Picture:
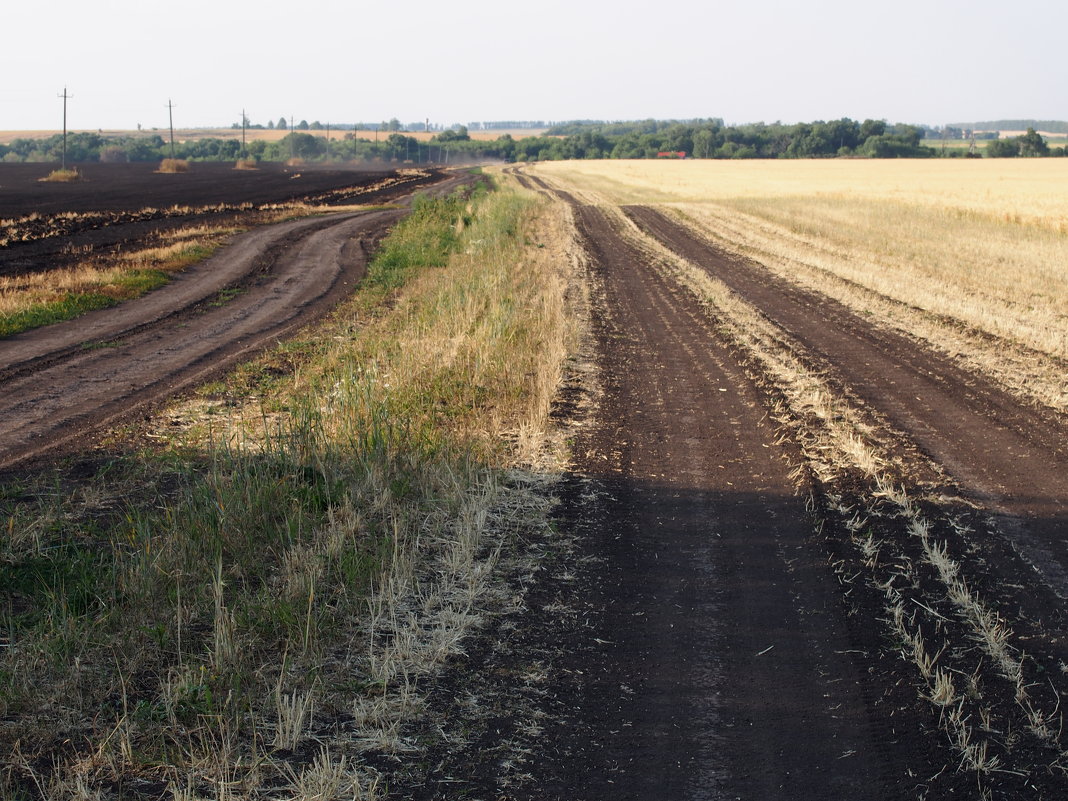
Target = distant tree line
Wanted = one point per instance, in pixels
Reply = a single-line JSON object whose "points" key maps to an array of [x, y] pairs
{"points": [[450, 145], [704, 139], [711, 138], [1050, 126], [1030, 144]]}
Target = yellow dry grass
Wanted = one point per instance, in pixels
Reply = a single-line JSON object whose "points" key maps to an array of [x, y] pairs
{"points": [[62, 177], [938, 248], [106, 276], [173, 166]]}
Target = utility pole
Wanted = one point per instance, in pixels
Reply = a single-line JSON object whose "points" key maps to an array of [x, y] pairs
{"points": [[328, 141], [244, 120], [170, 113], [65, 97]]}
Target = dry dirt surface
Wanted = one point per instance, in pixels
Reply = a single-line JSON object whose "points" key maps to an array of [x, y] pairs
{"points": [[61, 383], [732, 623]]}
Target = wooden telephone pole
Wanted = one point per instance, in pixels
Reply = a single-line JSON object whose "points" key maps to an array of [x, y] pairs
{"points": [[65, 97], [170, 113]]}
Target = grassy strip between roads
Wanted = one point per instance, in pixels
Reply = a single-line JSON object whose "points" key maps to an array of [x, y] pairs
{"points": [[246, 611]]}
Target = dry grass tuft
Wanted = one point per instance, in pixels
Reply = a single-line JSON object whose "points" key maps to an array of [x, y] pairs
{"points": [[173, 166], [68, 176], [246, 164]]}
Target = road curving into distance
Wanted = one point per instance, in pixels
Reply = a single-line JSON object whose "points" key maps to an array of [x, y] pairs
{"points": [[61, 383]]}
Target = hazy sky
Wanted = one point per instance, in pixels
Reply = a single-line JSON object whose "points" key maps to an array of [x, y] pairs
{"points": [[921, 61]]}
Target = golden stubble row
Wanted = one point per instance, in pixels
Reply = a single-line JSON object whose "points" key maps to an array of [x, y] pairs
{"points": [[952, 250]]}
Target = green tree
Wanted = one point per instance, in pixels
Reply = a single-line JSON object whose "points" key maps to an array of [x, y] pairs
{"points": [[302, 145], [704, 143], [506, 147], [148, 149], [871, 128], [1032, 144], [458, 134], [1003, 148], [282, 125]]}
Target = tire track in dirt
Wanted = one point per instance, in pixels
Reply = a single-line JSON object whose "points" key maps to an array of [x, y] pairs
{"points": [[1011, 458], [713, 661], [61, 383], [248, 256], [69, 379]]}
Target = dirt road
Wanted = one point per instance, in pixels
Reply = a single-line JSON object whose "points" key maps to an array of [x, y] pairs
{"points": [[61, 383], [736, 620]]}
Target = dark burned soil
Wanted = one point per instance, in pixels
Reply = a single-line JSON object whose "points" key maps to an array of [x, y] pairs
{"points": [[48, 225], [63, 382], [731, 622], [130, 187]]}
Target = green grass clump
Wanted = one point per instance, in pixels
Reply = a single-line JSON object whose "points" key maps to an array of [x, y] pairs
{"points": [[65, 308], [100, 294], [74, 304]]}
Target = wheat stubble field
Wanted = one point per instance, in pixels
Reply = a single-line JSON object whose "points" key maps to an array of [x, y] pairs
{"points": [[824, 479]]}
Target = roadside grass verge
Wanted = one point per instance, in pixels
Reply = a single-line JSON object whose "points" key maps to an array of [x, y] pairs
{"points": [[246, 609]]}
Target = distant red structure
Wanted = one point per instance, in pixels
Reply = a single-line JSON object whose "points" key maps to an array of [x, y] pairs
{"points": [[671, 154]]}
